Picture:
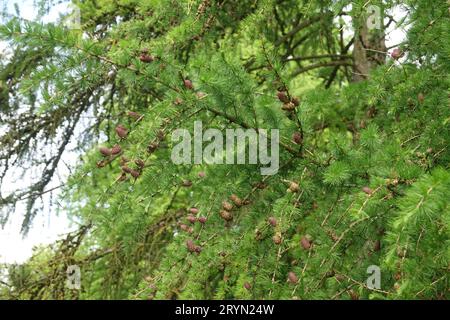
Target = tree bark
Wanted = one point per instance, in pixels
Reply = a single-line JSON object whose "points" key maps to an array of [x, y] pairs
{"points": [[369, 49]]}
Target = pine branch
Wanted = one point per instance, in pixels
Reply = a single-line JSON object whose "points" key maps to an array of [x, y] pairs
{"points": [[297, 28], [323, 56], [320, 65]]}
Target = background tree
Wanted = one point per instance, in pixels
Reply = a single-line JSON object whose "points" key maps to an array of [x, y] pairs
{"points": [[364, 154]]}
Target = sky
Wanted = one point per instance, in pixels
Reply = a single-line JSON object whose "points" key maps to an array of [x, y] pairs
{"points": [[48, 226]]}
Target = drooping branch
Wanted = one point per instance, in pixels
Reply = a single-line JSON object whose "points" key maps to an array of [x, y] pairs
{"points": [[39, 126]]}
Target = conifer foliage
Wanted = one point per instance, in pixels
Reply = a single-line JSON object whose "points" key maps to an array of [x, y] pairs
{"points": [[363, 175]]}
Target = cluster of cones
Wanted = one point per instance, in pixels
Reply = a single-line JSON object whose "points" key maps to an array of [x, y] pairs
{"points": [[110, 154]]}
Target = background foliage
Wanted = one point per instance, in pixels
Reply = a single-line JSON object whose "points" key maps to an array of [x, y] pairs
{"points": [[367, 184]]}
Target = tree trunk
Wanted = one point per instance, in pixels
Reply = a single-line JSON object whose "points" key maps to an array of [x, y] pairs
{"points": [[369, 49]]}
